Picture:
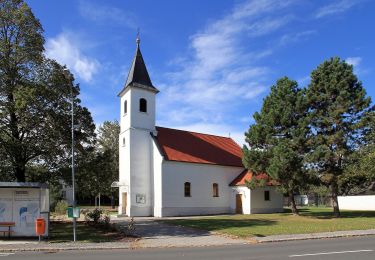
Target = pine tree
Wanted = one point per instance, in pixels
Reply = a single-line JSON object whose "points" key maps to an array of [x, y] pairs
{"points": [[277, 140], [337, 103]]}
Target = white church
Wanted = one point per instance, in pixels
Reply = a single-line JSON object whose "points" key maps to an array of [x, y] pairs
{"points": [[171, 172]]}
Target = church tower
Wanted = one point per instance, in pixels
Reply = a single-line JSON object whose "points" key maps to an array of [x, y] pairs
{"points": [[137, 122]]}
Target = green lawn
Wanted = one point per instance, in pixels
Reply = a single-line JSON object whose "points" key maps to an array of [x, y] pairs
{"points": [[63, 232], [311, 220], [108, 209]]}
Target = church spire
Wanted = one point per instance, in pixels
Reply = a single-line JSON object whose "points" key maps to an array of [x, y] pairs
{"points": [[138, 75]]}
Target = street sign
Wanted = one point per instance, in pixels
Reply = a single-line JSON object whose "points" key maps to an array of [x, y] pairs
{"points": [[74, 212]]}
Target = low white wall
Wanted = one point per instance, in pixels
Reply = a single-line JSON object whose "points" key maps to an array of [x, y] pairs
{"points": [[357, 202]]}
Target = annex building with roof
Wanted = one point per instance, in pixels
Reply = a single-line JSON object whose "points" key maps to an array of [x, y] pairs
{"points": [[171, 172]]}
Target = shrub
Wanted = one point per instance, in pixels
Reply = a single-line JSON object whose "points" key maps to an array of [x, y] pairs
{"points": [[61, 207], [94, 215], [130, 228], [106, 220]]}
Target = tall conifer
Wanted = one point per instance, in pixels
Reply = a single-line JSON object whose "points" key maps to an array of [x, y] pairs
{"points": [[337, 104]]}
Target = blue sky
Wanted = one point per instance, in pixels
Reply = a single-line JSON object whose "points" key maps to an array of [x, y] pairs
{"points": [[213, 61]]}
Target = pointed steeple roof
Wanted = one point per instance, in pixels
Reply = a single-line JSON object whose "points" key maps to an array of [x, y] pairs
{"points": [[138, 75]]}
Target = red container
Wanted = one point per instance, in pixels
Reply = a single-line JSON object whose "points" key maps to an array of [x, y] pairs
{"points": [[40, 226]]}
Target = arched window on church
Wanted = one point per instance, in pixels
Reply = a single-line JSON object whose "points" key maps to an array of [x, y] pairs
{"points": [[125, 107], [215, 190], [143, 105], [187, 189]]}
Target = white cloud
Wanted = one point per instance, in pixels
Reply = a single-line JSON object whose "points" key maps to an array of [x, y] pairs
{"points": [[219, 75], [336, 7], [357, 65], [267, 25], [296, 37], [355, 61], [104, 14], [304, 81], [63, 49]]}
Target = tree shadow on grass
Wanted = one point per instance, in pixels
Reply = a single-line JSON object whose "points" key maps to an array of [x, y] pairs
{"points": [[62, 232], [218, 224], [328, 214]]}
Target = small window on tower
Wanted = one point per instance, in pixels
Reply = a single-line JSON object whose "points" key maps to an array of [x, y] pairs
{"points": [[125, 107], [123, 141], [143, 105], [187, 189]]}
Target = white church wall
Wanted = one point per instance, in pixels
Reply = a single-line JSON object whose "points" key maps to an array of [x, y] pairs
{"points": [[258, 203], [142, 120], [157, 176], [201, 177], [141, 200], [136, 153], [124, 152], [124, 169], [125, 117]]}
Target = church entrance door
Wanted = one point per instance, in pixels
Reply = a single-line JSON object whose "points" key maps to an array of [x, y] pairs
{"points": [[124, 202], [239, 204]]}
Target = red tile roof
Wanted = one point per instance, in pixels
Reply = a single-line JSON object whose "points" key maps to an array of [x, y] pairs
{"points": [[247, 175], [185, 146]]}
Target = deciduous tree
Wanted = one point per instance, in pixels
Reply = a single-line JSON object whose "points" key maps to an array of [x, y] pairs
{"points": [[100, 168], [35, 95]]}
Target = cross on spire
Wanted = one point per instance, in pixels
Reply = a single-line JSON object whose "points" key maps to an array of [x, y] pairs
{"points": [[138, 39]]}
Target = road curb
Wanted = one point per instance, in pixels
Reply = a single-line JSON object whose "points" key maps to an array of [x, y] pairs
{"points": [[138, 244], [13, 250]]}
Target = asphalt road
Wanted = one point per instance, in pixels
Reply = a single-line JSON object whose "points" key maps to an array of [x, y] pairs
{"points": [[359, 248]]}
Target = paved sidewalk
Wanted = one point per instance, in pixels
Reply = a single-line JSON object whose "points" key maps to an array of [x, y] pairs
{"points": [[17, 246], [349, 233]]}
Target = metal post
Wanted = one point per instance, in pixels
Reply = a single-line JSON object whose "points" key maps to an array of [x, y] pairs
{"points": [[73, 177]]}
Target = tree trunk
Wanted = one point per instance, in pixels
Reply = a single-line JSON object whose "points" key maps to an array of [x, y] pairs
{"points": [[19, 163], [112, 201], [293, 203], [20, 173], [335, 203]]}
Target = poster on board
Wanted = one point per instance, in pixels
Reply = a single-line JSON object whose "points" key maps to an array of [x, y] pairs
{"points": [[6, 206], [25, 211]]}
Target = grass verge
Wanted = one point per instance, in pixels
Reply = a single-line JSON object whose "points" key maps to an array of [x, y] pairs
{"points": [[311, 220], [63, 232]]}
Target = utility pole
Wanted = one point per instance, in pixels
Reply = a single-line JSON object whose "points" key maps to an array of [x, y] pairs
{"points": [[67, 76], [73, 175]]}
